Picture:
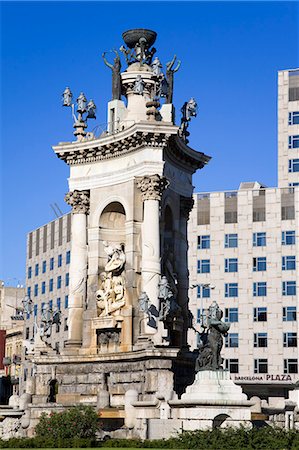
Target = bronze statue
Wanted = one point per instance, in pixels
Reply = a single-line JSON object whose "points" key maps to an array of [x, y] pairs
{"points": [[211, 340], [169, 77], [116, 79]]}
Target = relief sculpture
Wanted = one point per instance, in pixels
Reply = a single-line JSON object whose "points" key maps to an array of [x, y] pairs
{"points": [[111, 293]]}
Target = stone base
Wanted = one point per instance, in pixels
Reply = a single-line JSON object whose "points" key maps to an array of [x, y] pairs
{"points": [[214, 386]]}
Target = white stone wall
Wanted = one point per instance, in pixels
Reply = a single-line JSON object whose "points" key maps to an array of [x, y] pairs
{"points": [[285, 130], [245, 277]]}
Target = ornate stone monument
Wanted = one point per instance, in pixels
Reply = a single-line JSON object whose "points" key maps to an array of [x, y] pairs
{"points": [[130, 190]]}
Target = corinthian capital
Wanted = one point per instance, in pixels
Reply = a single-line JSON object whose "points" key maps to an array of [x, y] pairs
{"points": [[79, 201], [152, 186], [186, 205]]}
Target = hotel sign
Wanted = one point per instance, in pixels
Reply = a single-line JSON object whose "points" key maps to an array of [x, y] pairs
{"points": [[265, 378]]}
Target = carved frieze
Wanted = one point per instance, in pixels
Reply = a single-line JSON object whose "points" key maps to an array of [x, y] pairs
{"points": [[152, 186], [79, 201]]}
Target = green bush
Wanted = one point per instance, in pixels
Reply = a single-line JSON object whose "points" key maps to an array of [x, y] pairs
{"points": [[80, 422]]}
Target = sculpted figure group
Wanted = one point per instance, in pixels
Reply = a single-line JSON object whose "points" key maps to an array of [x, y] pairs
{"points": [[111, 292]]}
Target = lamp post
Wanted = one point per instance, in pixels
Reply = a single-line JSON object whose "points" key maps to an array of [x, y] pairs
{"points": [[82, 107]]}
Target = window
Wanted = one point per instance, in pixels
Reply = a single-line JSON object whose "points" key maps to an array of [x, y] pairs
{"points": [[290, 366], [230, 207], [29, 272], [231, 315], [30, 239], [289, 288], [294, 118], [67, 279], [59, 260], [260, 366], [44, 266], [51, 285], [65, 324], [36, 270], [288, 262], [203, 209], [259, 264], [203, 291], [294, 141], [287, 203], [259, 239], [260, 340], [43, 287], [260, 289], [58, 303], [42, 306], [289, 313], [198, 318], [27, 333], [51, 263], [293, 85], [293, 165], [260, 314], [290, 339], [35, 310], [293, 184], [288, 237], [231, 289], [258, 205], [231, 265], [203, 242], [68, 257], [232, 365], [231, 241], [203, 266], [59, 282], [232, 340], [35, 290], [66, 301], [51, 304], [29, 291]]}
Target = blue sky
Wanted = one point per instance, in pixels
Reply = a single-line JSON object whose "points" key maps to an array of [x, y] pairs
{"points": [[230, 53]]}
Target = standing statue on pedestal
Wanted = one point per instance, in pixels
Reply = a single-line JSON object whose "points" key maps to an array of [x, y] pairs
{"points": [[138, 85], [170, 76], [111, 292], [116, 79], [169, 308], [211, 340]]}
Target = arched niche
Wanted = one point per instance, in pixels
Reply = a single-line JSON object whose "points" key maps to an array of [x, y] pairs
{"points": [[218, 421], [168, 238], [53, 391], [112, 227]]}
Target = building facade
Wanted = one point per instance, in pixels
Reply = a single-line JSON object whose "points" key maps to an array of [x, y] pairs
{"points": [[47, 282], [243, 253]]}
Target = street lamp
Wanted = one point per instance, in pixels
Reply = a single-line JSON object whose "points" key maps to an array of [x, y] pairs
{"points": [[82, 107], [204, 285]]}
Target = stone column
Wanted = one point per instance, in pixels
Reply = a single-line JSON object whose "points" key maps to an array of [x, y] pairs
{"points": [[186, 205], [152, 187], [79, 200]]}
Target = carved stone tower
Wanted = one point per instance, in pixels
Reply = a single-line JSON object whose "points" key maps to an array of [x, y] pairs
{"points": [[131, 193]]}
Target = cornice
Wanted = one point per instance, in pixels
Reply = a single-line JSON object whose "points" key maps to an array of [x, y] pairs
{"points": [[139, 135]]}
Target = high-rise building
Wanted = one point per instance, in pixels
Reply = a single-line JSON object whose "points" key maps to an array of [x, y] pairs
{"points": [[243, 253], [288, 128]]}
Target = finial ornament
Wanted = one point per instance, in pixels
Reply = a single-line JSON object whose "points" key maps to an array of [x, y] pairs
{"points": [[82, 107]]}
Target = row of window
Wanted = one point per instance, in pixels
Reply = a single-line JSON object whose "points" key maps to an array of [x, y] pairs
{"points": [[261, 340], [289, 314], [51, 285], [294, 165], [259, 264], [259, 289], [259, 239], [261, 365], [51, 264]]}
